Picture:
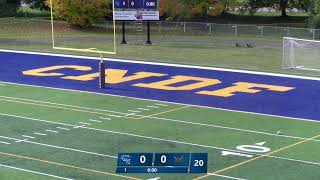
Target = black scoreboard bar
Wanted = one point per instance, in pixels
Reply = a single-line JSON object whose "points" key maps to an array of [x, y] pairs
{"points": [[136, 4], [152, 163]]}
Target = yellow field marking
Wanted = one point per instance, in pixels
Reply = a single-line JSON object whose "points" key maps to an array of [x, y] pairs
{"points": [[259, 157], [164, 112], [71, 109], [68, 166]]}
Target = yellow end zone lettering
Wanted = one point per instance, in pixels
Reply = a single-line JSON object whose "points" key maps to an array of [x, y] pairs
{"points": [[165, 85], [115, 76], [44, 72], [244, 87]]}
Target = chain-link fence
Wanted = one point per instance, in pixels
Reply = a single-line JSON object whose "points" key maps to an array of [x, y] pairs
{"points": [[253, 31]]}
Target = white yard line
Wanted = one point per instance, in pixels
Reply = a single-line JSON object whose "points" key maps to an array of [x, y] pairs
{"points": [[111, 115], [62, 128], [7, 143], [41, 134], [132, 114], [225, 127], [66, 105], [187, 122], [88, 124], [93, 120], [159, 139], [59, 147], [77, 127], [34, 172], [207, 107], [21, 140], [30, 137]]}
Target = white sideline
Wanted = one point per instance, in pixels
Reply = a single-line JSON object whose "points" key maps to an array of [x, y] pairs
{"points": [[59, 147], [34, 172], [163, 64], [159, 139], [207, 107], [165, 119]]}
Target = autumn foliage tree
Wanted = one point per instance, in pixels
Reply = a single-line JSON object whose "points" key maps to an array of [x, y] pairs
{"points": [[82, 13]]}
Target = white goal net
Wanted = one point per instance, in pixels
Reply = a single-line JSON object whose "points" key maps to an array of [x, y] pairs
{"points": [[301, 54]]}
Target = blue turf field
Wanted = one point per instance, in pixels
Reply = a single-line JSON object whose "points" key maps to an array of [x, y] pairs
{"points": [[298, 98]]}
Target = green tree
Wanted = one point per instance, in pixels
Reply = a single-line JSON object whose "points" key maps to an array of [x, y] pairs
{"points": [[82, 13], [252, 6], [9, 7], [41, 4]]}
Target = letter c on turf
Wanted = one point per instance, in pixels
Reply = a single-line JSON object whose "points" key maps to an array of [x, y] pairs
{"points": [[44, 72]]}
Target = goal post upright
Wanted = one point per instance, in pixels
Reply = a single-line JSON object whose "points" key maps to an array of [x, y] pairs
{"points": [[95, 50]]}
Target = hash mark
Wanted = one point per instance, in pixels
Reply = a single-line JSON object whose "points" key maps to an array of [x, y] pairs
{"points": [[21, 140], [85, 123], [105, 118], [155, 107], [41, 134], [143, 109], [31, 137], [62, 128], [161, 104], [52, 131], [132, 114], [93, 120]]}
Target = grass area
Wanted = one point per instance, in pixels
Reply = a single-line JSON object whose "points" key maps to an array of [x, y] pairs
{"points": [[216, 50], [25, 110]]}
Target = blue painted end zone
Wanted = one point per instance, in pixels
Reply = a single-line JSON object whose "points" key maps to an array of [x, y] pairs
{"points": [[301, 102]]}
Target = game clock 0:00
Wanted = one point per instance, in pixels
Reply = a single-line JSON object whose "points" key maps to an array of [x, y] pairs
{"points": [[162, 163]]}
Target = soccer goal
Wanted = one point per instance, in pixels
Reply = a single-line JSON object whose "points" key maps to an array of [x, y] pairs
{"points": [[301, 54]]}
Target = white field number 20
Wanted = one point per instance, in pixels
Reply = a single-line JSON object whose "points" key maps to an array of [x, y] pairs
{"points": [[257, 148]]}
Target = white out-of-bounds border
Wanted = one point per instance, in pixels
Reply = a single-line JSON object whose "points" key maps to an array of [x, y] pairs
{"points": [[166, 64]]}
